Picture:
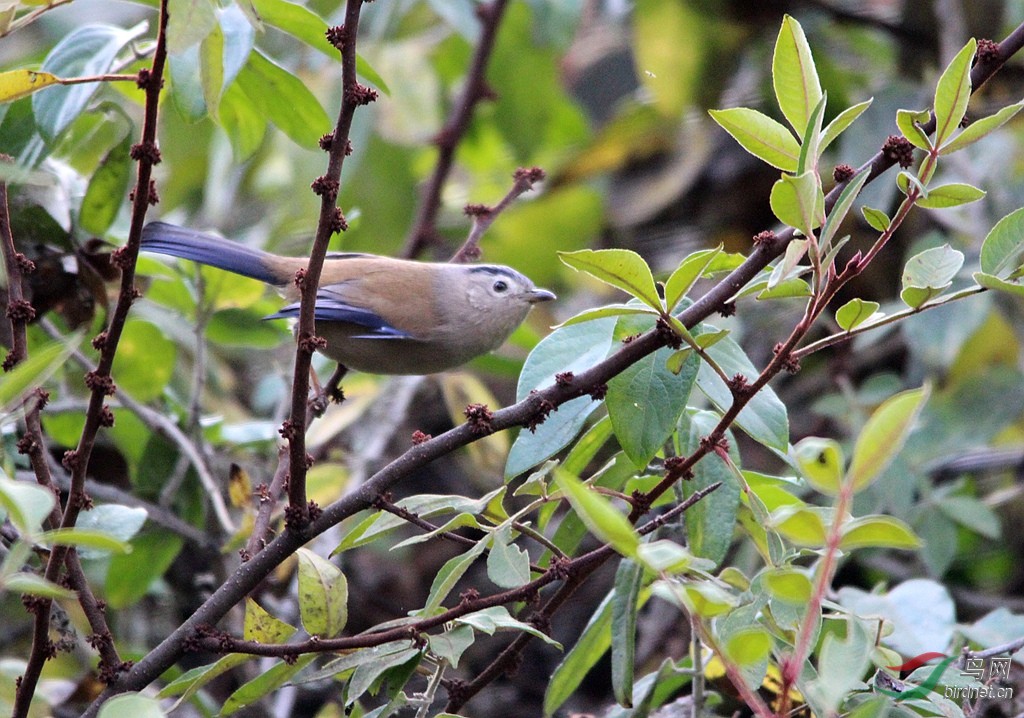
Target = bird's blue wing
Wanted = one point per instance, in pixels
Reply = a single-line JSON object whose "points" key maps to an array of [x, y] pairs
{"points": [[331, 307]]}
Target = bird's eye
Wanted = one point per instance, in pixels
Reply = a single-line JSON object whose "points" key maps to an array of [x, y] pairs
{"points": [[501, 286]]}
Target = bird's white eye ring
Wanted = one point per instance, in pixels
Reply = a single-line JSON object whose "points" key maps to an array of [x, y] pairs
{"points": [[500, 286]]}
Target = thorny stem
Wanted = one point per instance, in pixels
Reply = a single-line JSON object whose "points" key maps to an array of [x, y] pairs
{"points": [[352, 97], [100, 382]]}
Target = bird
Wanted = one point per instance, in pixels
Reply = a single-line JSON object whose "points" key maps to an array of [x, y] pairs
{"points": [[378, 315]]}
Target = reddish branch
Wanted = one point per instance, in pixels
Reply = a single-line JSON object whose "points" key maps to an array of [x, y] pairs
{"points": [[331, 221], [33, 444], [424, 228], [101, 385]]}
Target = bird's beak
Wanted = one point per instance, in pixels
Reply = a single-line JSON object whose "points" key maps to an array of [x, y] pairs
{"points": [[539, 295]]}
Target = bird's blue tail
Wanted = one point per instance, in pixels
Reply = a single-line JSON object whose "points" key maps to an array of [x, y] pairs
{"points": [[204, 248]]}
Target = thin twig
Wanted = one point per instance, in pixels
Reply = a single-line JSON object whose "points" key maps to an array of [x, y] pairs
{"points": [[424, 228]]}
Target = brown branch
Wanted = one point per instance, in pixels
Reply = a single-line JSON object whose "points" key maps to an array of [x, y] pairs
{"points": [[100, 382], [19, 312], [484, 216], [424, 228], [330, 221]]}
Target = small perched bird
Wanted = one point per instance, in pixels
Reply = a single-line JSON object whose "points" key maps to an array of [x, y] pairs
{"points": [[378, 314]]}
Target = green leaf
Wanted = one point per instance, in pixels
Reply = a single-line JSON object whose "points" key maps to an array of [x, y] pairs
{"points": [[99, 541], [449, 575], [841, 209], [1001, 251], [980, 128], [118, 522], [609, 310], [574, 349], [704, 599], [855, 312], [802, 525], [666, 556], [508, 566], [628, 580], [876, 218], [928, 273], [748, 647], [841, 665], [972, 514], [189, 25], [85, 51], [711, 523], [645, 400], [950, 195], [821, 462], [910, 122], [621, 268], [285, 99], [789, 267], [298, 21], [794, 76], [134, 705], [799, 202], [952, 93], [990, 281], [878, 532], [764, 418], [497, 618], [145, 360], [843, 120], [761, 136], [587, 651], [243, 121], [686, 274], [264, 683], [24, 582], [597, 513], [451, 644], [789, 584], [35, 370], [323, 595], [130, 576], [808, 161], [883, 436], [107, 189]]}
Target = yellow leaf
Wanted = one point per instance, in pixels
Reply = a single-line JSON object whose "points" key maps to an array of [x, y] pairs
{"points": [[16, 84]]}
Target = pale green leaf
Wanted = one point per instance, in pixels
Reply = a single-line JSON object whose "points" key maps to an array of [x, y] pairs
{"points": [[950, 195], [843, 120], [883, 436], [952, 93], [821, 462], [794, 75], [910, 122], [597, 513], [761, 136], [323, 595], [876, 218], [855, 312], [1001, 251], [980, 128], [799, 202], [621, 268], [878, 532]]}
